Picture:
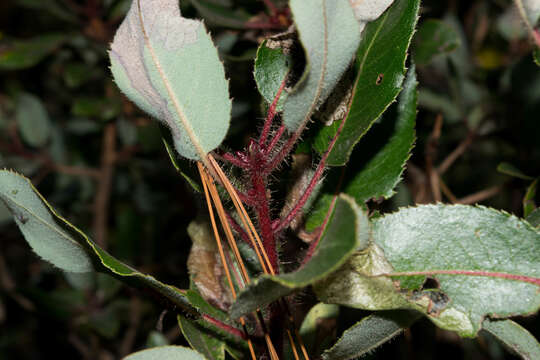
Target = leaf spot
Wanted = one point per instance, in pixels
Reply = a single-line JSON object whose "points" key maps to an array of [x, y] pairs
{"points": [[379, 79], [22, 219], [14, 192]]}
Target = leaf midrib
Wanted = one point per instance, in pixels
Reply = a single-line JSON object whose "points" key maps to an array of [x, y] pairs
{"points": [[185, 123]]}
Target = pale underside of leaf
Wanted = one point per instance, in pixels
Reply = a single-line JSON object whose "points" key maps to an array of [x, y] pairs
{"points": [[170, 68], [330, 35], [369, 10], [170, 352]]}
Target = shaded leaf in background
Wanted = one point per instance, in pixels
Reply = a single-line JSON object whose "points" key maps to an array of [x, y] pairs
{"points": [[317, 327], [221, 15], [169, 352], [330, 35], [96, 107], [528, 200], [155, 339], [66, 246], [52, 6], [380, 64], [434, 37], [170, 68], [514, 337], [369, 333], [347, 230], [509, 169], [33, 120], [534, 218], [271, 67], [22, 54]]}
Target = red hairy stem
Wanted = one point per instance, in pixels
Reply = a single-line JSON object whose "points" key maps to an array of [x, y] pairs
{"points": [[282, 154], [261, 202], [523, 278], [244, 198], [312, 184], [230, 158], [271, 114], [225, 327], [313, 245], [275, 139]]}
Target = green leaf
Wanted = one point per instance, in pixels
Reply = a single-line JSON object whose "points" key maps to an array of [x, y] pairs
{"points": [[434, 37], [330, 36], [43, 234], [233, 343], [33, 120], [528, 200], [170, 68], [169, 352], [53, 7], [356, 285], [536, 56], [369, 333], [78, 73], [457, 238], [485, 263], [172, 156], [62, 244], [509, 169], [534, 218], [155, 338], [380, 68], [436, 102], [347, 230], [514, 337], [270, 69], [210, 347], [316, 330], [103, 108], [221, 15], [22, 54], [381, 173]]}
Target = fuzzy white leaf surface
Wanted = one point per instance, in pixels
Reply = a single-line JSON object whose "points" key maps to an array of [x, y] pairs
{"points": [[169, 67]]}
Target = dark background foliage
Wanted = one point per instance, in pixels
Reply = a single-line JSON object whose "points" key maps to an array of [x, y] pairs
{"points": [[102, 163]]}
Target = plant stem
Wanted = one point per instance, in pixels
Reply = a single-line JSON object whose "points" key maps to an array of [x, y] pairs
{"points": [[312, 184], [271, 114], [261, 203], [225, 327], [275, 139], [313, 245], [523, 278]]}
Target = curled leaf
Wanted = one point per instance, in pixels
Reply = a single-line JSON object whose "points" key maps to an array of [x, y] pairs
{"points": [[330, 36], [368, 10], [170, 68]]}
